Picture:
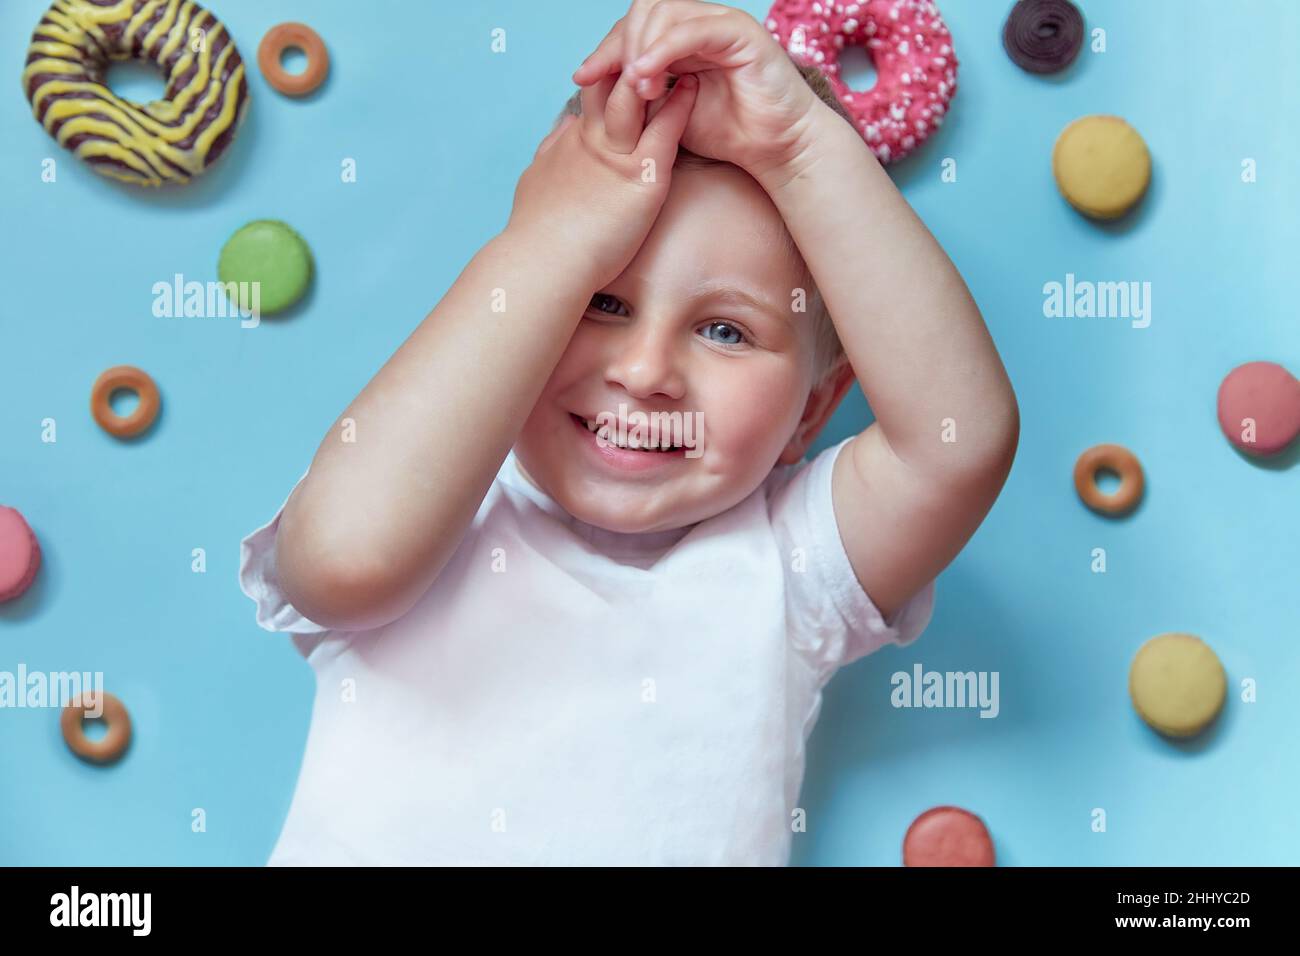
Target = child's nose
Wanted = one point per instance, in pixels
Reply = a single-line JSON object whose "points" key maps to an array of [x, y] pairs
{"points": [[648, 362]]}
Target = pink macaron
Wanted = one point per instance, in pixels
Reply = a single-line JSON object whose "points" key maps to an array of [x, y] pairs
{"points": [[20, 555], [1259, 408]]}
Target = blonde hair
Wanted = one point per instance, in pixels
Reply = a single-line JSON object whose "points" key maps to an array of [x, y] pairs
{"points": [[828, 351]]}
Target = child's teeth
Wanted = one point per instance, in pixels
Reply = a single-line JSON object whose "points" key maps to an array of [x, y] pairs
{"points": [[633, 443]]}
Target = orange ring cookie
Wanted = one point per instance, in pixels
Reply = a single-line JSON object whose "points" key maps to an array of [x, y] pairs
{"points": [[1118, 459], [111, 745], [132, 379], [280, 38]]}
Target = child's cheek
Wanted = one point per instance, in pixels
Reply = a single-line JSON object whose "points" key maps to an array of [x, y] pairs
{"points": [[751, 420]]}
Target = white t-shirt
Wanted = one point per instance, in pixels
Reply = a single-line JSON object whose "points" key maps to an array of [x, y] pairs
{"points": [[567, 695]]}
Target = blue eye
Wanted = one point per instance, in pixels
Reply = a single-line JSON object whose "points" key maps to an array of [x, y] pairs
{"points": [[601, 302], [730, 334]]}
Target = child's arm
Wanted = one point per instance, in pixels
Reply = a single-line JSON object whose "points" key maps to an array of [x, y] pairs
{"points": [[377, 518], [905, 500]]}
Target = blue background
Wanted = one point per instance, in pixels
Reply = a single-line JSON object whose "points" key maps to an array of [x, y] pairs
{"points": [[440, 128]]}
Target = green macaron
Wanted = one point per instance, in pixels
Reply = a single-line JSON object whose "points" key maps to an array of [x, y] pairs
{"points": [[267, 252]]}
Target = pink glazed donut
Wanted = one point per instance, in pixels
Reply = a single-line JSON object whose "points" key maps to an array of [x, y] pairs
{"points": [[911, 48]]}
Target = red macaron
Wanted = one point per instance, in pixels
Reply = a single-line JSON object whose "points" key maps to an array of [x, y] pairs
{"points": [[948, 836]]}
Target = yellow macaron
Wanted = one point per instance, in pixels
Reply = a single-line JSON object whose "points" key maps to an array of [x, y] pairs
{"points": [[1101, 165], [1177, 684]]}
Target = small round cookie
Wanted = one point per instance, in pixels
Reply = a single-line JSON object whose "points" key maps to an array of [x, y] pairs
{"points": [[1101, 165], [109, 747], [1114, 458], [285, 36], [1043, 36], [20, 554], [948, 836], [267, 252], [131, 379], [1177, 684], [1259, 408]]}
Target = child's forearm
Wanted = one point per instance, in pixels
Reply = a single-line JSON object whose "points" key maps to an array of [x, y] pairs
{"points": [[390, 494], [909, 326]]}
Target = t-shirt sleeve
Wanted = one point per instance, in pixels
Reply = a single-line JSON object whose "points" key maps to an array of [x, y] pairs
{"points": [[831, 618], [258, 579]]}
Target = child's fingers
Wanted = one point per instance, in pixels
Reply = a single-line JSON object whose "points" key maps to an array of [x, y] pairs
{"points": [[663, 16], [664, 132], [624, 117], [652, 110], [617, 46], [634, 26], [607, 58], [710, 39], [659, 19], [652, 88], [594, 97]]}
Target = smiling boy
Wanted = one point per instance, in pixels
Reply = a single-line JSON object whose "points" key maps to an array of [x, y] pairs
{"points": [[562, 649]]}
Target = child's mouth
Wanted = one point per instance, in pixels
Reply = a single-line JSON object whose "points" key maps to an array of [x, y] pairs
{"points": [[623, 451]]}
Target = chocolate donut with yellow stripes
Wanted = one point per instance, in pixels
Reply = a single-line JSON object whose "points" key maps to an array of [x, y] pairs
{"points": [[167, 141]]}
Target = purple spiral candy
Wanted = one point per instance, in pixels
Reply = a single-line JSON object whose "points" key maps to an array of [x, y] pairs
{"points": [[1043, 36]]}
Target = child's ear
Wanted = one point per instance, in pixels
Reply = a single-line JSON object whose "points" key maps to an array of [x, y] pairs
{"points": [[824, 398]]}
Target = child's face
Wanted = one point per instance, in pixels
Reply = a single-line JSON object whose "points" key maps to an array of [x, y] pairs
{"points": [[676, 332]]}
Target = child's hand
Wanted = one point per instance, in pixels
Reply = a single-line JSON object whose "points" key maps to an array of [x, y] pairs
{"points": [[753, 108], [598, 181]]}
